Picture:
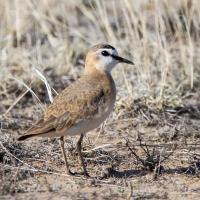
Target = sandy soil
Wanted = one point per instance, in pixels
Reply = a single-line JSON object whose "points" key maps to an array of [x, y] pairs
{"points": [[120, 164]]}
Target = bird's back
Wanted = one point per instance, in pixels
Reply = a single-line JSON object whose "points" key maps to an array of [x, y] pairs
{"points": [[83, 96], [82, 105]]}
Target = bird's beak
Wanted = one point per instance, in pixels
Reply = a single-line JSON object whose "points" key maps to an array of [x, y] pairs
{"points": [[123, 60]]}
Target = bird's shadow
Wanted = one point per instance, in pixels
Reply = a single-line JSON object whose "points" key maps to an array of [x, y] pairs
{"points": [[191, 170], [192, 110]]}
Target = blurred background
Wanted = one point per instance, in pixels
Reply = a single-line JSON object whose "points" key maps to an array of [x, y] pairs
{"points": [[161, 37]]}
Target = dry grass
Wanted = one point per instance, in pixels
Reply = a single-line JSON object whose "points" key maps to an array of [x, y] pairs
{"points": [[158, 99]]}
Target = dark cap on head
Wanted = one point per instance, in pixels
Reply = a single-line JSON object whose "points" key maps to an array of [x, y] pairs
{"points": [[102, 46]]}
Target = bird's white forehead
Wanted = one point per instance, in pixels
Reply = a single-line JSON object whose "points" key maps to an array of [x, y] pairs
{"points": [[110, 51]]}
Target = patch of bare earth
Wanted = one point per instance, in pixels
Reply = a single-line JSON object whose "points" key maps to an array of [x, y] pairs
{"points": [[143, 153]]}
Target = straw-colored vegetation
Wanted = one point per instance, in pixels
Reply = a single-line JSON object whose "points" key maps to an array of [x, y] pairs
{"points": [[149, 147]]}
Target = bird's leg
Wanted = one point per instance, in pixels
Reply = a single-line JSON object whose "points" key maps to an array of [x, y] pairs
{"points": [[64, 155], [79, 149]]}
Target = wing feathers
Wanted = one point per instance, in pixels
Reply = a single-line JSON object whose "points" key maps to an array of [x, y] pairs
{"points": [[40, 128], [83, 100]]}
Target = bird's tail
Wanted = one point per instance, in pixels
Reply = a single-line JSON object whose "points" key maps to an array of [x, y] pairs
{"points": [[42, 128], [24, 137]]}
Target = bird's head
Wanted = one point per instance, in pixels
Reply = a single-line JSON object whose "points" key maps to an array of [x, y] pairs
{"points": [[103, 57]]}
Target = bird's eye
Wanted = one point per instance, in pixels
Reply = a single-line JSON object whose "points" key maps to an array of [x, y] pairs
{"points": [[105, 53]]}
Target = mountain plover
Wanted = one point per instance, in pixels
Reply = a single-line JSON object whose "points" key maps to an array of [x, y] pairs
{"points": [[84, 104]]}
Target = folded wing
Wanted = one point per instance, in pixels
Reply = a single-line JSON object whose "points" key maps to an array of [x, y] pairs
{"points": [[81, 100]]}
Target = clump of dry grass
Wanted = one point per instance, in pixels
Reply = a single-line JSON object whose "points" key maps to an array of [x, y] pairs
{"points": [[154, 158]]}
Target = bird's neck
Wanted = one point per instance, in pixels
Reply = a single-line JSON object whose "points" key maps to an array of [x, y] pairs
{"points": [[92, 67], [92, 70], [105, 79], [101, 76]]}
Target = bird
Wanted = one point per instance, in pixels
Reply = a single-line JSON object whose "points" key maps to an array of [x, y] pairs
{"points": [[84, 104]]}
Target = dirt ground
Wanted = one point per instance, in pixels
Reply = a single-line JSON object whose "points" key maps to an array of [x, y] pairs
{"points": [[145, 154], [149, 147]]}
